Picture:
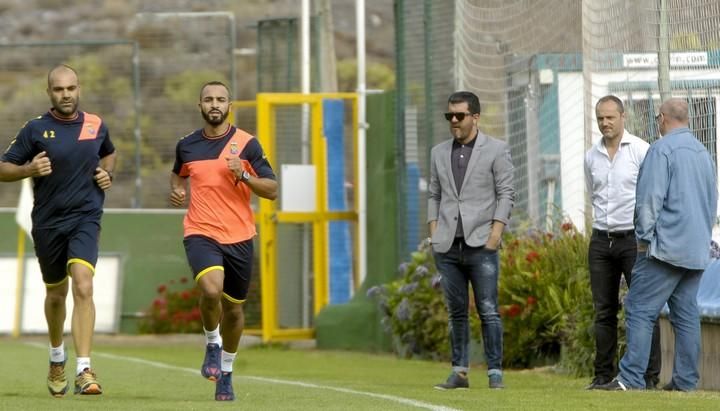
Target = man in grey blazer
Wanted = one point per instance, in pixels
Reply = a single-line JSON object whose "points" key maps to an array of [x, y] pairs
{"points": [[471, 195]]}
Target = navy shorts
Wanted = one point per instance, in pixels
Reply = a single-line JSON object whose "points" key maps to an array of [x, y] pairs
{"points": [[58, 247], [205, 254]]}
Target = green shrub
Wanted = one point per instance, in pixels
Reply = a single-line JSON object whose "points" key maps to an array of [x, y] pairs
{"points": [[414, 310], [544, 297]]}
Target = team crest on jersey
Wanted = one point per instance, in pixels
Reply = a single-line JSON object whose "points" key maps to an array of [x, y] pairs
{"points": [[233, 148], [91, 129]]}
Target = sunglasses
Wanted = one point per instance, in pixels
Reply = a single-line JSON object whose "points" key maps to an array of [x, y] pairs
{"points": [[459, 116]]}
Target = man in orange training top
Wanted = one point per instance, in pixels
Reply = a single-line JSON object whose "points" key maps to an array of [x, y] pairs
{"points": [[223, 165]]}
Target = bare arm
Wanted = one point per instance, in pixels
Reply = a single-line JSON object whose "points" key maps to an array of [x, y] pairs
{"points": [[432, 226], [493, 241], [38, 167], [263, 187], [177, 190]]}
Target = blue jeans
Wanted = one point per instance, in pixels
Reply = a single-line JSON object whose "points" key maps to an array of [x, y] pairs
{"points": [[479, 267], [655, 283]]}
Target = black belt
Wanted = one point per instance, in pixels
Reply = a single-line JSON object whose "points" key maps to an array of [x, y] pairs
{"points": [[613, 234]]}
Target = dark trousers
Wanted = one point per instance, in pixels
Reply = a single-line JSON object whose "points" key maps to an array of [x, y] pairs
{"points": [[609, 258]]}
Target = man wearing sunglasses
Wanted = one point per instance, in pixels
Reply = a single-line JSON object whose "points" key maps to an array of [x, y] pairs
{"points": [[611, 170], [471, 195]]}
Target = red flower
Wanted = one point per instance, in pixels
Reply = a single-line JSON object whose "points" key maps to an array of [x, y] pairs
{"points": [[531, 300], [161, 288], [159, 302], [532, 256], [185, 295], [514, 310], [566, 226], [183, 280], [178, 317]]}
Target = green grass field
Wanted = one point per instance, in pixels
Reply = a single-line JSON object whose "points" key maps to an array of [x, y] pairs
{"points": [[161, 373]]}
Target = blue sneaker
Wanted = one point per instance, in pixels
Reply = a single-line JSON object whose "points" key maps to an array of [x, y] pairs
{"points": [[211, 365], [495, 382], [224, 388]]}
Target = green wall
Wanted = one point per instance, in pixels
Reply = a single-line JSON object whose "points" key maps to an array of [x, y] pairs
{"points": [[151, 249], [356, 324]]}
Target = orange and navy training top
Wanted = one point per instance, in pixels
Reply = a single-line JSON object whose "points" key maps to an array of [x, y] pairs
{"points": [[74, 147], [219, 203]]}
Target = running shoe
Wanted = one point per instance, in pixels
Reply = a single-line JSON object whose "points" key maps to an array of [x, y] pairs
{"points": [[224, 388], [211, 365], [56, 382], [86, 383]]}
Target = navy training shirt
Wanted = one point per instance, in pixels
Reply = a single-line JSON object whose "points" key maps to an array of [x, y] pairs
{"points": [[74, 147]]}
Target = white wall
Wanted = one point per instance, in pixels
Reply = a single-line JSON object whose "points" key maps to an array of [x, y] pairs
{"points": [[107, 291], [572, 147], [572, 115]]}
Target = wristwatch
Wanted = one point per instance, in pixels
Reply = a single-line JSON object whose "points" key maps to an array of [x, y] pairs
{"points": [[245, 176]]}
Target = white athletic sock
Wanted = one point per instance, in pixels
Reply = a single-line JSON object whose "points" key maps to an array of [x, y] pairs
{"points": [[226, 361], [82, 363], [213, 337], [57, 354]]}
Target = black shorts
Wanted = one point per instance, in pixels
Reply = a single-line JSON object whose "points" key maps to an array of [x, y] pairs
{"points": [[205, 254], [58, 247]]}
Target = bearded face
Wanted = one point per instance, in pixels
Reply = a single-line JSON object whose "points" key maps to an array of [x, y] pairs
{"points": [[214, 104], [215, 116]]}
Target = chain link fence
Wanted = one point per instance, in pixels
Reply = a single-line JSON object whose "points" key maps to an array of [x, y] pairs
{"points": [[538, 68], [108, 87], [144, 87]]}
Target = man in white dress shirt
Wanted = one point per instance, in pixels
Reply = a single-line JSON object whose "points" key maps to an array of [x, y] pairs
{"points": [[611, 170]]}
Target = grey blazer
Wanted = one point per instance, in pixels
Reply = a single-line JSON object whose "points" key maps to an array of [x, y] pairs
{"points": [[487, 192]]}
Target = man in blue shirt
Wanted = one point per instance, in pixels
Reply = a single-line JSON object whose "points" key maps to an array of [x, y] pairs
{"points": [[675, 209], [69, 155]]}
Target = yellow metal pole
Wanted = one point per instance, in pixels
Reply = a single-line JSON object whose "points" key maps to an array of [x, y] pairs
{"points": [[320, 240], [20, 274], [268, 244], [269, 216]]}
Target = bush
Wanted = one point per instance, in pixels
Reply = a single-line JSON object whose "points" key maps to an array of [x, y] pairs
{"points": [[413, 309], [174, 310], [544, 297]]}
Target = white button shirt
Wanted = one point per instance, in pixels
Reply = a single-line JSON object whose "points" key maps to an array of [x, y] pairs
{"points": [[611, 183]]}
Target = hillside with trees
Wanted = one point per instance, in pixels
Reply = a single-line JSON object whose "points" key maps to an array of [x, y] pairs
{"points": [[141, 66]]}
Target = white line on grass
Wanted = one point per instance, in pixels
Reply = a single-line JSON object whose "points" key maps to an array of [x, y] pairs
{"points": [[393, 398]]}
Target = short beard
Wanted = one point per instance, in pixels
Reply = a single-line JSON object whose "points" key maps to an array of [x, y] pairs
{"points": [[215, 122], [64, 111]]}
